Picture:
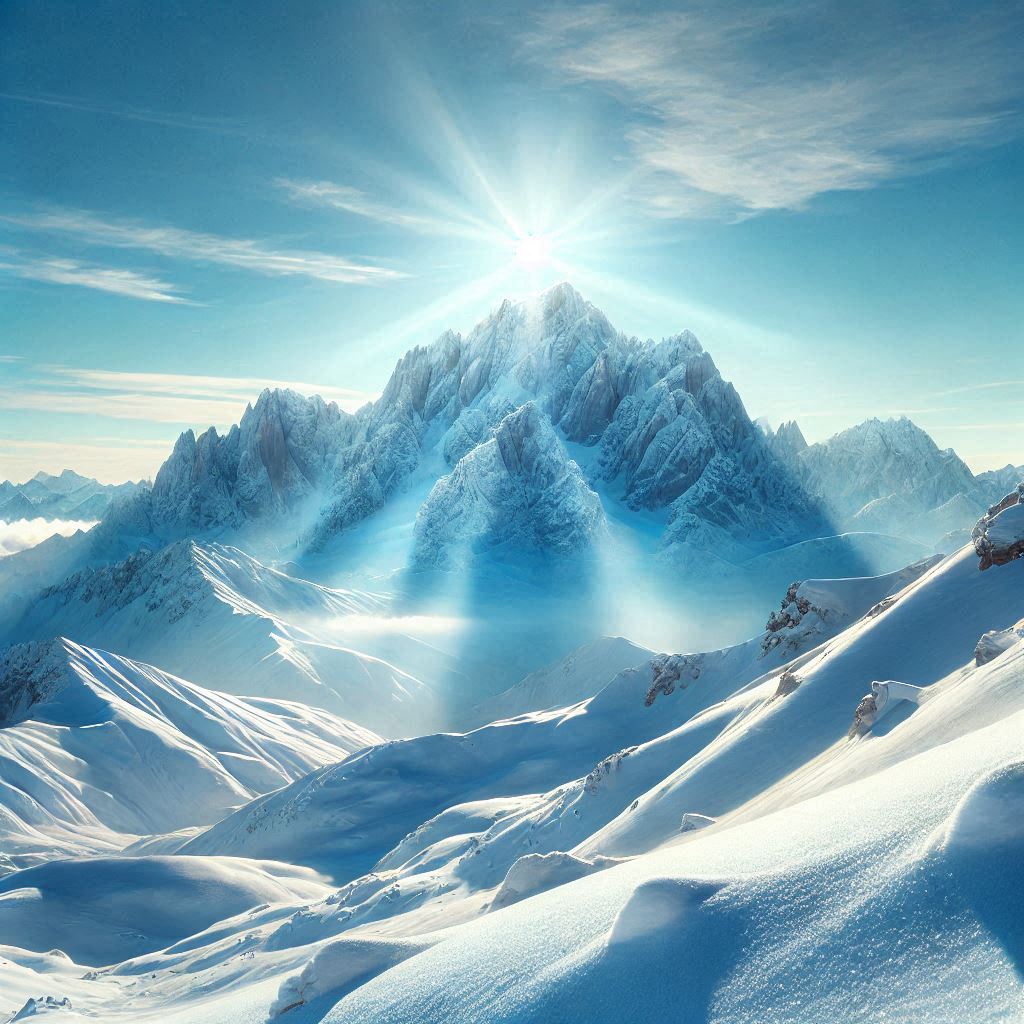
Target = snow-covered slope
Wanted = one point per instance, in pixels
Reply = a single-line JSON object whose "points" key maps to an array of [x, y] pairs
{"points": [[577, 676], [96, 750], [806, 875], [103, 910], [348, 814], [222, 619]]}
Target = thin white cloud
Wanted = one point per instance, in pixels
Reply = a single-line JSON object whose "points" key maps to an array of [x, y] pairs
{"points": [[127, 283], [352, 200], [128, 406], [740, 110], [27, 533], [182, 399], [996, 385], [200, 247], [172, 120], [241, 388]]}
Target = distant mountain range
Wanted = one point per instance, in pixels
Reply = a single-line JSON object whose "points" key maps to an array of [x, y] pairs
{"points": [[68, 496]]}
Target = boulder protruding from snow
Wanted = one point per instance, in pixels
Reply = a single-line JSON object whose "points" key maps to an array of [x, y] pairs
{"points": [[997, 641], [873, 703], [999, 534]]}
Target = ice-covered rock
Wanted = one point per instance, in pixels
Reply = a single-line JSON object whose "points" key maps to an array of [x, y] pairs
{"points": [[997, 641], [881, 695], [518, 488], [39, 1006]]}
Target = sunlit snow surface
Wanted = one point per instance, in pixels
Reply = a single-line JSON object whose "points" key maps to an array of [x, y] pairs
{"points": [[539, 869]]}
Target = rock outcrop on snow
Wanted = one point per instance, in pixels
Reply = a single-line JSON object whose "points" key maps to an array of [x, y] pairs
{"points": [[999, 534], [815, 609], [518, 488]]}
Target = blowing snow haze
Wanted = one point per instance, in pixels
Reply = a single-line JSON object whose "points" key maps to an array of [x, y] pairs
{"points": [[574, 571]]}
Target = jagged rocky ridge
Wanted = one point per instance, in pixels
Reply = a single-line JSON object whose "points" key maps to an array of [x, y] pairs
{"points": [[889, 476], [519, 487]]}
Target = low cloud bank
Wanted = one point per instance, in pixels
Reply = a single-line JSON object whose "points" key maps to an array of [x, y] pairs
{"points": [[27, 533]]}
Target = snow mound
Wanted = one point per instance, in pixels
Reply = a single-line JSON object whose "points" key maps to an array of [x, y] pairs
{"points": [[663, 904], [340, 966], [538, 872]]}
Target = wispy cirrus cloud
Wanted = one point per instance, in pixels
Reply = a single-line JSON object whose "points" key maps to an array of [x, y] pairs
{"points": [[128, 283], [258, 257], [735, 109], [182, 399], [235, 388], [353, 200], [195, 122]]}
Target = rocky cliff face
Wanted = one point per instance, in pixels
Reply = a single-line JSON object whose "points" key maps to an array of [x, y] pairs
{"points": [[668, 428], [283, 450]]}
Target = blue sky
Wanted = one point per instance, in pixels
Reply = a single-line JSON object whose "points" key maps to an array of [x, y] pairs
{"points": [[198, 199]]}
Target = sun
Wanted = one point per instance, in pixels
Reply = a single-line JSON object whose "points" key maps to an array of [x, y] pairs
{"points": [[533, 251]]}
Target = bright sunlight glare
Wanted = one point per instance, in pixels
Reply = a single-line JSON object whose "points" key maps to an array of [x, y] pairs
{"points": [[533, 251]]}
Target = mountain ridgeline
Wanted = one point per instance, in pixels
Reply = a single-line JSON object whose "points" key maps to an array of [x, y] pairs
{"points": [[530, 430], [658, 427]]}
